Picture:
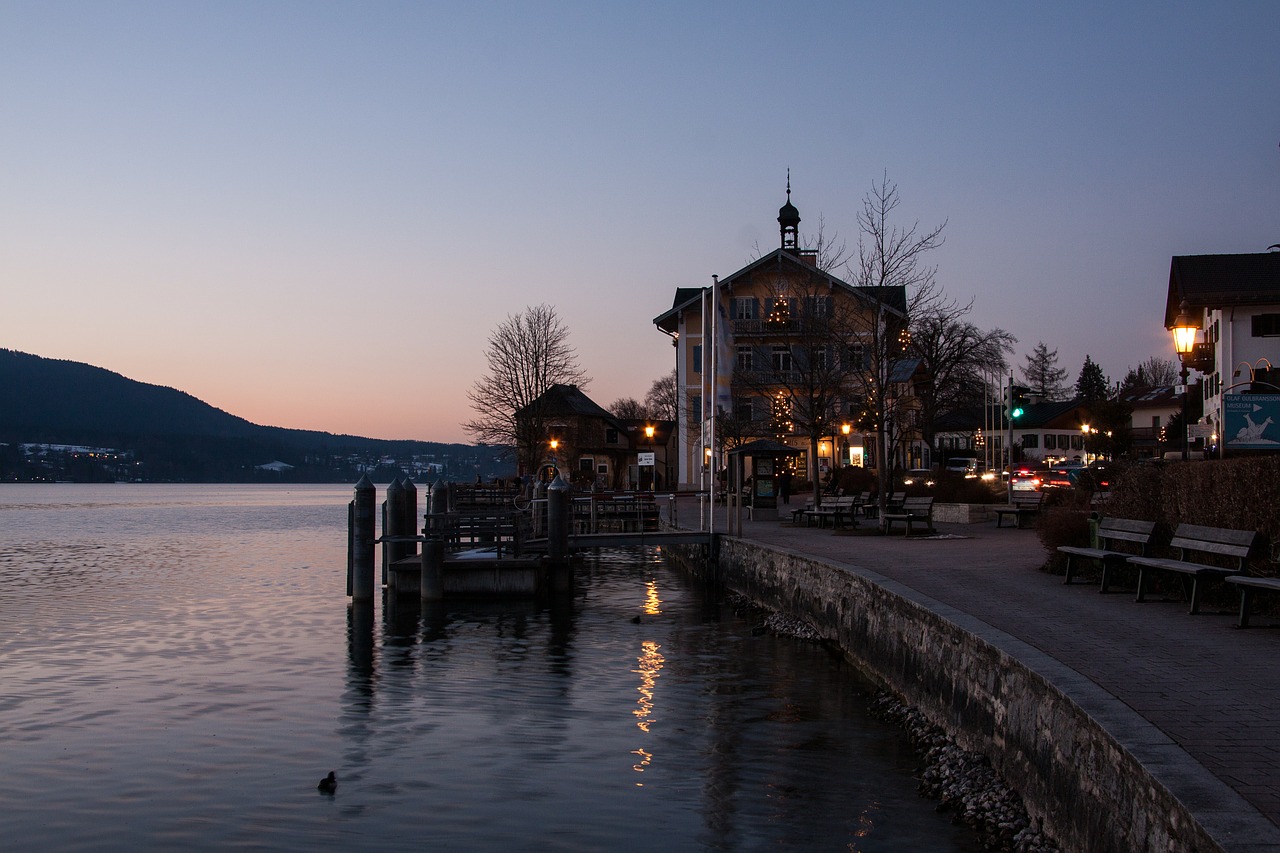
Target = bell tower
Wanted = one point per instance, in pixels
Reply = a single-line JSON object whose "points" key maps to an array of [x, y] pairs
{"points": [[789, 221]]}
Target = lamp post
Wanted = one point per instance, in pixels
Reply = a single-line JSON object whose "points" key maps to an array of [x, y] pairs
{"points": [[648, 434], [845, 428], [1184, 329]]}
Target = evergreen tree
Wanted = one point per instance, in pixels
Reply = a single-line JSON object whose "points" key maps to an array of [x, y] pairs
{"points": [[1042, 374], [1092, 385]]}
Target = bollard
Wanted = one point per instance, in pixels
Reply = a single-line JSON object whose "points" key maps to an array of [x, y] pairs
{"points": [[392, 516], [559, 505], [409, 524], [431, 587], [539, 510], [364, 519]]}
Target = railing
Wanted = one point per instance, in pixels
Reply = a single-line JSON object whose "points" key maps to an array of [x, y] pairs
{"points": [[502, 530], [616, 513]]}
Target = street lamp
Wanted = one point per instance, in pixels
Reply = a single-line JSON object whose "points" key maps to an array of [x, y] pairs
{"points": [[653, 474], [845, 429], [1084, 441], [1185, 328]]}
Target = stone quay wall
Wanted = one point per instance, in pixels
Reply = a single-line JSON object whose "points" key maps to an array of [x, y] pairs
{"points": [[1087, 791]]}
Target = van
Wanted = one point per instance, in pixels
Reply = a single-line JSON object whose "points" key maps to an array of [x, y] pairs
{"points": [[963, 465]]}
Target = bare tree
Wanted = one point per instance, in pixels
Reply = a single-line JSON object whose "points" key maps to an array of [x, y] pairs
{"points": [[958, 356], [628, 408], [527, 354], [889, 271], [1153, 372], [662, 396]]}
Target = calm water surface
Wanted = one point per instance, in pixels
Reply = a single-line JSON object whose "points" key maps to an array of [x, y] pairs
{"points": [[179, 667]]}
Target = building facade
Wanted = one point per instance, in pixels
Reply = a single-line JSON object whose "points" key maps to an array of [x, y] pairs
{"points": [[782, 349]]}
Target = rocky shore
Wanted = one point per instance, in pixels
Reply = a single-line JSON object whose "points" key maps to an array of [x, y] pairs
{"points": [[964, 783]]}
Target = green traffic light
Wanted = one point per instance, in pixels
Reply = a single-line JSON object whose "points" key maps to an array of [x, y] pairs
{"points": [[1017, 412]]}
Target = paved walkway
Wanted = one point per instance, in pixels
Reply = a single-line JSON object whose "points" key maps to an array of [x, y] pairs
{"points": [[1212, 689]]}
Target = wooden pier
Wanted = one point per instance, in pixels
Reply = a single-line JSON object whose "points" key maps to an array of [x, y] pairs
{"points": [[491, 543]]}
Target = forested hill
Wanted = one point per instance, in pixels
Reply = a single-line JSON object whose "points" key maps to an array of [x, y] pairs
{"points": [[43, 399], [176, 436]]}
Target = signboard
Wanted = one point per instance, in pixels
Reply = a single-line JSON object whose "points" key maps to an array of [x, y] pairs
{"points": [[646, 458], [1251, 421], [1200, 431]]}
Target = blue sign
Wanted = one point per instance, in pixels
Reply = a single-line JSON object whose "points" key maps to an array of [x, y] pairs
{"points": [[1251, 421]]}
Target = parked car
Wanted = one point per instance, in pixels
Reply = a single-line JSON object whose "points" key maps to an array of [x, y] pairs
{"points": [[918, 476], [1097, 476], [1064, 475]]}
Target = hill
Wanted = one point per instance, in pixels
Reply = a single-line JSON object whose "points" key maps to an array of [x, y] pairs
{"points": [[160, 433]]}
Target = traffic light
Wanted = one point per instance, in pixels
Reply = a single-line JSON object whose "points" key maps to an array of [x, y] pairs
{"points": [[1015, 402], [1018, 401]]}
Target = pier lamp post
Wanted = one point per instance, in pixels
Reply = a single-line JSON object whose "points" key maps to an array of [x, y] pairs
{"points": [[1185, 328], [845, 428], [653, 472]]}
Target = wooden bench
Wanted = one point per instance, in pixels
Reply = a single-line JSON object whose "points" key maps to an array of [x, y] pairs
{"points": [[832, 508], [1111, 531], [872, 508], [914, 511], [1248, 585], [1022, 505], [1194, 538]]}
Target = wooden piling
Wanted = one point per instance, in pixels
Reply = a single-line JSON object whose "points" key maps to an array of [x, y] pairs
{"points": [[363, 534], [431, 586], [410, 523], [559, 517]]}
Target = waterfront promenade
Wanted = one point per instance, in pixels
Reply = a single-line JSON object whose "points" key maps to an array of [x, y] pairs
{"points": [[1194, 698]]}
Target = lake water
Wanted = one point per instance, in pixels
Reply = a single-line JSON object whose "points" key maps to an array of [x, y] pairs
{"points": [[179, 667]]}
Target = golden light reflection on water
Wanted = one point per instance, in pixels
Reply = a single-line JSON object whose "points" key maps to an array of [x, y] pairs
{"points": [[652, 602], [649, 665]]}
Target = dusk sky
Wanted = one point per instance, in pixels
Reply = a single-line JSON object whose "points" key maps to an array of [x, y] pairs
{"points": [[312, 214]]}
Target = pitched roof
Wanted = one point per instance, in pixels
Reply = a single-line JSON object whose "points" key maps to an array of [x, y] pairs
{"points": [[892, 298], [569, 401], [1216, 281]]}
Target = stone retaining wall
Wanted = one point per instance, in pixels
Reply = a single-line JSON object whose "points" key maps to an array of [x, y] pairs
{"points": [[1089, 793], [963, 513]]}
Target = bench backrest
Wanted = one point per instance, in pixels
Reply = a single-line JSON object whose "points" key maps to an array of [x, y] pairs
{"points": [[1026, 499], [1127, 530], [1222, 541], [918, 505]]}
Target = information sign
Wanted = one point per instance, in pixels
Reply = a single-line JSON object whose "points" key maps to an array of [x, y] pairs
{"points": [[646, 458], [1251, 421]]}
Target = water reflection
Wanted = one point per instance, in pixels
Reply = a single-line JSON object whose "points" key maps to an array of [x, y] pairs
{"points": [[194, 646]]}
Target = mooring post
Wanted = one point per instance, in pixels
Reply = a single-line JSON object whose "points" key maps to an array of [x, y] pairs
{"points": [[409, 522], [392, 517], [559, 500], [432, 586], [363, 532], [539, 509]]}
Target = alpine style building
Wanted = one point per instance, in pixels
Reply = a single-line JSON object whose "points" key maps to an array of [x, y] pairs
{"points": [[795, 354]]}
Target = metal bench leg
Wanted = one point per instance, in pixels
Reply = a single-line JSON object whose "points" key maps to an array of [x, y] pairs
{"points": [[1244, 607], [1067, 579], [1195, 595], [1142, 584]]}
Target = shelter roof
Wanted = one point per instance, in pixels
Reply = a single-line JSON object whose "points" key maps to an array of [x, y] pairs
{"points": [[765, 447]]}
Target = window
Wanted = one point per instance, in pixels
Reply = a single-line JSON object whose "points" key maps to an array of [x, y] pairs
{"points": [[695, 409], [611, 436], [1031, 439], [818, 306], [697, 358], [1155, 422], [1050, 441], [1266, 325], [744, 308], [744, 358], [818, 358], [858, 357], [743, 409], [587, 465], [781, 359]]}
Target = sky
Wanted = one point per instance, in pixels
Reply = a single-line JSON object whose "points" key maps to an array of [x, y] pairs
{"points": [[313, 214]]}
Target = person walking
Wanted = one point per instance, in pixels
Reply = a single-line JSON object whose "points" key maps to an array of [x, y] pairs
{"points": [[784, 484]]}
